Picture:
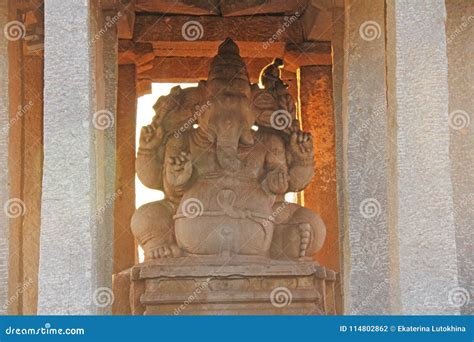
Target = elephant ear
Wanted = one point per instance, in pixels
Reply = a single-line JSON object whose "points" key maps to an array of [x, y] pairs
{"points": [[264, 103]]}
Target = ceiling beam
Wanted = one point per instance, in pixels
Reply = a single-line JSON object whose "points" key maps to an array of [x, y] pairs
{"points": [[194, 7], [253, 7], [265, 32]]}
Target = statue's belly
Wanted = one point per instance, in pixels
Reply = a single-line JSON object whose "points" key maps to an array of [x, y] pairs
{"points": [[225, 215]]}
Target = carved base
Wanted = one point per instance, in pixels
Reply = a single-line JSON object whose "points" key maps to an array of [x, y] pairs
{"points": [[231, 286]]}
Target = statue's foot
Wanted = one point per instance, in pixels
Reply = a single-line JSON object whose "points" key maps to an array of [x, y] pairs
{"points": [[165, 251], [305, 235]]}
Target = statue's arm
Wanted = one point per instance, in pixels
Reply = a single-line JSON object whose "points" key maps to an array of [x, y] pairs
{"points": [[276, 177], [178, 169], [149, 161], [300, 156]]}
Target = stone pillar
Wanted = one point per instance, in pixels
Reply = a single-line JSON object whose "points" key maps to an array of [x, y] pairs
{"points": [[4, 172], [125, 256], [32, 111], [460, 47], [315, 97], [421, 197], [365, 235], [75, 261]]}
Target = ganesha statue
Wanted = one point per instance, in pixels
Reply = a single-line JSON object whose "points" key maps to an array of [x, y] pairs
{"points": [[225, 153]]}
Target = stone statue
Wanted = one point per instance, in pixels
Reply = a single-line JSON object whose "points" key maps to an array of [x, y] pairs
{"points": [[224, 180]]}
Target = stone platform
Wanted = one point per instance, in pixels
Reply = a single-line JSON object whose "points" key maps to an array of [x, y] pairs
{"points": [[226, 286]]}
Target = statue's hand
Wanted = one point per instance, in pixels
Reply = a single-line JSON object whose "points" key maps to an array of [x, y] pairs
{"points": [[179, 169], [151, 137], [301, 145], [277, 181]]}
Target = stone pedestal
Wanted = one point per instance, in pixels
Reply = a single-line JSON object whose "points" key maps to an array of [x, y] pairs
{"points": [[231, 286]]}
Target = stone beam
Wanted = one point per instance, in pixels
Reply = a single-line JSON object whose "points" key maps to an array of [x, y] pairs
{"points": [[126, 21], [317, 24], [134, 53], [199, 7], [253, 7], [265, 37], [421, 193], [308, 53], [193, 69]]}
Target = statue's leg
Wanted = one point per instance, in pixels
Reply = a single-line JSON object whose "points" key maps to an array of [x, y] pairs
{"points": [[299, 232], [153, 227]]}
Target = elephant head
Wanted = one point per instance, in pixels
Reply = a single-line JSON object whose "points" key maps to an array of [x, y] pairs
{"points": [[228, 120]]}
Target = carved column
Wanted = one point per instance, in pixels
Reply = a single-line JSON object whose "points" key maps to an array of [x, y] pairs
{"points": [[125, 180], [365, 235], [460, 47], [421, 183], [315, 97], [75, 258]]}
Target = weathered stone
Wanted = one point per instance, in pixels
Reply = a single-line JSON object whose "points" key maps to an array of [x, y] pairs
{"points": [[460, 48], [421, 189], [74, 269], [232, 286], [316, 100], [365, 238], [124, 242]]}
